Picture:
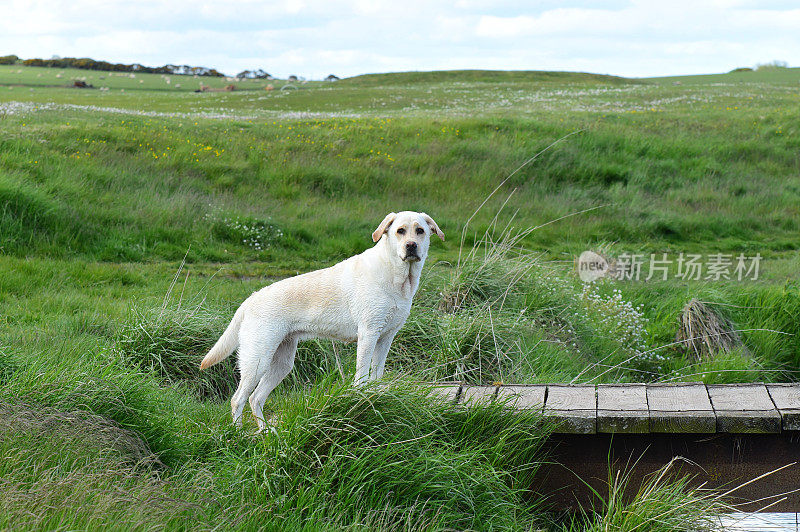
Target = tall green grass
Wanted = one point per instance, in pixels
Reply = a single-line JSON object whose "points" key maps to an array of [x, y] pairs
{"points": [[664, 502], [711, 173], [392, 455], [389, 457]]}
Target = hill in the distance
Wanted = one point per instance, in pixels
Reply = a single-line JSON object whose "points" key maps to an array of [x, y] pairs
{"points": [[488, 76], [759, 75]]}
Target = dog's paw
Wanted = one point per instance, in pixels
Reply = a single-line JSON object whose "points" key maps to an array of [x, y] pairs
{"points": [[267, 430]]}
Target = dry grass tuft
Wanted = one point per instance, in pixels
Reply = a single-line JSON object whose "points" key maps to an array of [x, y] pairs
{"points": [[75, 470], [705, 332], [78, 426]]}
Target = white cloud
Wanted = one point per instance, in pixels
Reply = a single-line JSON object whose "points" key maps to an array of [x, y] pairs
{"points": [[346, 37], [558, 21]]}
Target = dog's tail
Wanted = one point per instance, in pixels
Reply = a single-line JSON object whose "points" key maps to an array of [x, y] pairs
{"points": [[226, 343]]}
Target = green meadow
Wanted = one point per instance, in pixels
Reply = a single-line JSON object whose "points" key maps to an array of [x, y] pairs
{"points": [[135, 216]]}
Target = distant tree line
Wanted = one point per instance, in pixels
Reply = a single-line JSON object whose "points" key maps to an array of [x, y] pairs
{"points": [[86, 63], [253, 74], [90, 64]]}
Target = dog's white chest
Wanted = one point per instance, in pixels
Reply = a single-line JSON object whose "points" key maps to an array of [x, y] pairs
{"points": [[396, 315]]}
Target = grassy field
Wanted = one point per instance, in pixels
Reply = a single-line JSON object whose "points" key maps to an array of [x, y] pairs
{"points": [[134, 220]]}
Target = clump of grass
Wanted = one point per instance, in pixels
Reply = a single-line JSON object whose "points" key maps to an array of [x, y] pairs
{"points": [[91, 429], [501, 314], [318, 358], [664, 502], [705, 332], [735, 366], [470, 323], [468, 346], [137, 401], [172, 340], [395, 455], [481, 278]]}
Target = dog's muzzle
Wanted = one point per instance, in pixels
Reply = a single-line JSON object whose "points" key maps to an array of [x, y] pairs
{"points": [[411, 252]]}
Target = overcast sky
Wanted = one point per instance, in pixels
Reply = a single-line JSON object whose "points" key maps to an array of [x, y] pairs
{"points": [[347, 37]]}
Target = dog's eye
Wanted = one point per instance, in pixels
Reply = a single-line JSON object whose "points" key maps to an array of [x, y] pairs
{"points": [[401, 231], [420, 231]]}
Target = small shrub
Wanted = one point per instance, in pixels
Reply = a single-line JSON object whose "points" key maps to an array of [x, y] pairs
{"points": [[616, 318], [246, 231]]}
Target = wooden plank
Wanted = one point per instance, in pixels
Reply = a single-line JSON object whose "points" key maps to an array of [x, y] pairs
{"points": [[476, 394], [622, 408], [572, 407], [523, 397], [758, 522], [447, 393], [680, 408], [744, 408], [787, 400], [571, 397]]}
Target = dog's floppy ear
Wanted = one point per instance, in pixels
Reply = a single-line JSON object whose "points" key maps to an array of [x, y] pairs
{"points": [[433, 226], [384, 225]]}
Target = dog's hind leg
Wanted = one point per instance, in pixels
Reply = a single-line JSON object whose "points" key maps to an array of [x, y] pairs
{"points": [[282, 364], [256, 353]]}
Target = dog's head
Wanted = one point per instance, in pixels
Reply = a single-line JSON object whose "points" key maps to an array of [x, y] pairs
{"points": [[408, 233]]}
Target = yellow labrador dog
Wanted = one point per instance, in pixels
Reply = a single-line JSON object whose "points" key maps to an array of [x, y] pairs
{"points": [[365, 298]]}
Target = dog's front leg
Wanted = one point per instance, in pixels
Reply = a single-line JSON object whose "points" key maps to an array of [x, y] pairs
{"points": [[379, 356], [364, 353]]}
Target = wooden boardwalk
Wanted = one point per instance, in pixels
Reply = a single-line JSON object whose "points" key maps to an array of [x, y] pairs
{"points": [[681, 408], [726, 436]]}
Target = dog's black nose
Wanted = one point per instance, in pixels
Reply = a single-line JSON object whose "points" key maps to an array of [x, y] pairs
{"points": [[411, 246]]}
